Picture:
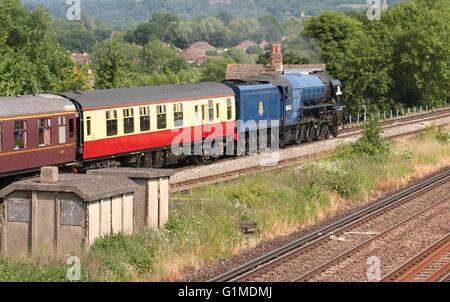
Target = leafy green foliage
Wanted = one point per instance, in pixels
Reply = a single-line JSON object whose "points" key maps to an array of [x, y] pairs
{"points": [[214, 70], [113, 63], [372, 143], [443, 137], [30, 59], [120, 64], [126, 13], [402, 59], [121, 257], [27, 272], [437, 132]]}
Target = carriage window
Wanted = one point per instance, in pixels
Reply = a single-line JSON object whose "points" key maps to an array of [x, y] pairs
{"points": [[203, 112], [45, 131], [178, 115], [161, 116], [197, 114], [20, 135], [229, 109], [111, 122], [218, 110], [144, 112], [62, 129], [128, 120], [88, 126], [71, 128], [211, 110]]}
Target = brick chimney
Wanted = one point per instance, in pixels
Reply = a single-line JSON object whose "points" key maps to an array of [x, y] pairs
{"points": [[277, 57]]}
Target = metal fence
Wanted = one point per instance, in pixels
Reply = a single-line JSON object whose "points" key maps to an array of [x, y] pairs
{"points": [[359, 118]]}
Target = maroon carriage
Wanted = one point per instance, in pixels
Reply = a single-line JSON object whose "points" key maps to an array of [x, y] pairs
{"points": [[36, 131]]}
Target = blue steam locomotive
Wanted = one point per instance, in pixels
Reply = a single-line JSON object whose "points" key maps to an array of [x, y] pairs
{"points": [[300, 107]]}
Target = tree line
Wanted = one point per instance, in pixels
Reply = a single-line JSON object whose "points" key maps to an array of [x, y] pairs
{"points": [[112, 13], [401, 60]]}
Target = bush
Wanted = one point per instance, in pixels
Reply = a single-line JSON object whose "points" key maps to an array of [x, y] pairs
{"points": [[443, 137], [372, 143], [120, 257], [437, 132]]}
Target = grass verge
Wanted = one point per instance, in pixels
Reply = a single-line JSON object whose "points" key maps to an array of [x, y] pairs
{"points": [[204, 223]]}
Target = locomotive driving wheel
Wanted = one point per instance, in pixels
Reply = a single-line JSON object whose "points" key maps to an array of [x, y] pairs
{"points": [[310, 133], [323, 131]]}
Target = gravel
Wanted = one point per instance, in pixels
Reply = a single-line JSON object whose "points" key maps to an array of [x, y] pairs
{"points": [[316, 255], [395, 248], [291, 153], [216, 268]]}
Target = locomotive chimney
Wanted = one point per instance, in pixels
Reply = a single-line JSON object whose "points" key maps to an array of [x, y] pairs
{"points": [[49, 175], [277, 58]]}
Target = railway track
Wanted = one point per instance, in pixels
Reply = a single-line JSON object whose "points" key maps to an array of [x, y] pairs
{"points": [[311, 257], [347, 133], [430, 265]]}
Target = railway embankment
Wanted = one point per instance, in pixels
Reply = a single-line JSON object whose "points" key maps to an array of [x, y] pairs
{"points": [[203, 237]]}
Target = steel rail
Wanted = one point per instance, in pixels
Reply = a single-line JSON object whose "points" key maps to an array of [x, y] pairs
{"points": [[192, 183], [422, 261], [322, 268], [324, 232]]}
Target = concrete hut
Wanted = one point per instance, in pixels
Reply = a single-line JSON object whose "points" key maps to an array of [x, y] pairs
{"points": [[151, 205], [64, 213]]}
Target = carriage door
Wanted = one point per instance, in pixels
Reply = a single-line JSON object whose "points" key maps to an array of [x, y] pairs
{"points": [[62, 130]]}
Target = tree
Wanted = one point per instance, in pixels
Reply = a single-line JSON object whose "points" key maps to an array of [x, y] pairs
{"points": [[30, 59], [212, 30], [421, 52], [334, 33], [113, 63], [239, 56], [214, 70], [159, 57], [160, 27]]}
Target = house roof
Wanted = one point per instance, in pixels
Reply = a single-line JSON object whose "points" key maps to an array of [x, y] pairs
{"points": [[246, 44], [202, 47], [141, 95], [241, 71], [81, 58], [190, 55], [263, 44]]}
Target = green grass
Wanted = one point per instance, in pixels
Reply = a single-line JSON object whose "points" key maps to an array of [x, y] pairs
{"points": [[204, 223]]}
